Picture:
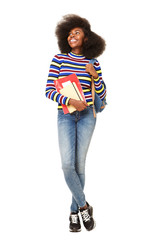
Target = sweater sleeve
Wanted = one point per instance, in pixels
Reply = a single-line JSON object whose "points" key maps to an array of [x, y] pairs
{"points": [[100, 87], [53, 75]]}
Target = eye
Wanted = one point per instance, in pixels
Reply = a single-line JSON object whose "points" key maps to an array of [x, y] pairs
{"points": [[74, 33]]}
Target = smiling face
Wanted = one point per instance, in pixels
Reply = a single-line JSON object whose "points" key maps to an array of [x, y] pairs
{"points": [[76, 39]]}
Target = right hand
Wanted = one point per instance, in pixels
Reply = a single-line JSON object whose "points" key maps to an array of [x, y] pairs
{"points": [[79, 105]]}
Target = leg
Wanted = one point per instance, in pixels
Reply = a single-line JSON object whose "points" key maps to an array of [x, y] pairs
{"points": [[67, 143], [85, 129]]}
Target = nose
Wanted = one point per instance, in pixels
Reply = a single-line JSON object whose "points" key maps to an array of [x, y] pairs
{"points": [[72, 34]]}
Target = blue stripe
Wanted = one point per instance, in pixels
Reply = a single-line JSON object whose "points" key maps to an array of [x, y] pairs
{"points": [[54, 67], [85, 81], [98, 88], [50, 88], [52, 95], [58, 97], [87, 93], [49, 81], [53, 75]]}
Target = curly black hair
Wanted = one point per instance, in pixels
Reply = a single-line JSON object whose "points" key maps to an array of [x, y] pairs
{"points": [[92, 48]]}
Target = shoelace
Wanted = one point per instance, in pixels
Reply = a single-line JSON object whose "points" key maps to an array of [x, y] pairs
{"points": [[74, 218], [85, 215]]}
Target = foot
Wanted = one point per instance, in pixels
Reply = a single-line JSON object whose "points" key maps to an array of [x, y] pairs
{"points": [[87, 217], [74, 225]]}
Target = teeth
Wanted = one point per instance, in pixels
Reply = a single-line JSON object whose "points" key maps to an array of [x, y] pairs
{"points": [[73, 40]]}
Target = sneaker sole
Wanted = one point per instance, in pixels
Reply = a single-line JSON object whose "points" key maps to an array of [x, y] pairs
{"points": [[91, 209], [92, 227], [75, 230]]}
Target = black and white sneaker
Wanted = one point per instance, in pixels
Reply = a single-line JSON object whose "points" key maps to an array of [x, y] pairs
{"points": [[87, 217], [74, 225]]}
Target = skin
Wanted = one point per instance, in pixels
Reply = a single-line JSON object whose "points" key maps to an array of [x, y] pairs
{"points": [[75, 39]]}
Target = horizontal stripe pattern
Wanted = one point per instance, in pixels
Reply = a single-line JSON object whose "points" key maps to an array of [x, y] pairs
{"points": [[63, 65]]}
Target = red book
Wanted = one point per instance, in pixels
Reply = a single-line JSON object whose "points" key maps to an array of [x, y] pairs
{"points": [[70, 87]]}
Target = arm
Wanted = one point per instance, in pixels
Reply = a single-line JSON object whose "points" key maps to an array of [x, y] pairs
{"points": [[51, 91], [96, 72], [79, 105]]}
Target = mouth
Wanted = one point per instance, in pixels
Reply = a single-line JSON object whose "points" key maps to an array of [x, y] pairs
{"points": [[73, 40]]}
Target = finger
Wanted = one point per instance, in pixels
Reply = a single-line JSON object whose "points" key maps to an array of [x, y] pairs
{"points": [[87, 68], [89, 65], [85, 104]]}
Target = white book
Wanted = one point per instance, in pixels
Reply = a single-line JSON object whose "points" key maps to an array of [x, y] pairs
{"points": [[71, 91]]}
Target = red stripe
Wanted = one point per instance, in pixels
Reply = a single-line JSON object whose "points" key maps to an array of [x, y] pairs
{"points": [[72, 59], [53, 71], [50, 85], [89, 96], [85, 85], [97, 85], [49, 95]]}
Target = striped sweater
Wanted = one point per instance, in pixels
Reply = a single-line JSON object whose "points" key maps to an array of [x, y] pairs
{"points": [[63, 65]]}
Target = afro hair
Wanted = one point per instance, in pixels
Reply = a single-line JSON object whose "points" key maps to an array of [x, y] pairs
{"points": [[92, 48]]}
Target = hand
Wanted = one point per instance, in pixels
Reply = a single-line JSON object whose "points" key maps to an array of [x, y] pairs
{"points": [[79, 105], [91, 70]]}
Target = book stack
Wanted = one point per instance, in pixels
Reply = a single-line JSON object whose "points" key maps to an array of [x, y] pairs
{"points": [[70, 87]]}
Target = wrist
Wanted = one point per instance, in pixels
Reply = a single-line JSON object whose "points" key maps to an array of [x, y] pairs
{"points": [[96, 77], [71, 101]]}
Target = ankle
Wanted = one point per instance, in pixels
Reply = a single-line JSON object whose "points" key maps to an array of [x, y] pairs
{"points": [[85, 207], [73, 213]]}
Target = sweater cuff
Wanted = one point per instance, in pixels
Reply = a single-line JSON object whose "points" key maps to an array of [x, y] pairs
{"points": [[96, 79], [67, 101]]}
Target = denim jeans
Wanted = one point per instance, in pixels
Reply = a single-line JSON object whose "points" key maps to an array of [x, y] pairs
{"points": [[74, 133]]}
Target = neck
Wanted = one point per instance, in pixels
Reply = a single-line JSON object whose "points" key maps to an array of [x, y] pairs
{"points": [[77, 51]]}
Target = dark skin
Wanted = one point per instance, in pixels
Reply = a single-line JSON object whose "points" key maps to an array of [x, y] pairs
{"points": [[75, 39]]}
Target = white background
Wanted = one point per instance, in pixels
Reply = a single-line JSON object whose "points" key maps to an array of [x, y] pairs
{"points": [[122, 169]]}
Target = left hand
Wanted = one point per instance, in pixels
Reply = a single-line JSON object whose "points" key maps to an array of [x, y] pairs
{"points": [[91, 70]]}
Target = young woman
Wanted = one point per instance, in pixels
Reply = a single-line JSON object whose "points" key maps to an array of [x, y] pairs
{"points": [[78, 44]]}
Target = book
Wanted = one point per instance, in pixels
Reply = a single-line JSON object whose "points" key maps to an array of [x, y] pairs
{"points": [[71, 91], [70, 87]]}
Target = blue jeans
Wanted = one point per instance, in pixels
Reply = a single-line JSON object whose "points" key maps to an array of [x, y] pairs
{"points": [[75, 132]]}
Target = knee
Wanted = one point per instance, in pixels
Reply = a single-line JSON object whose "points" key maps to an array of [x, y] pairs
{"points": [[80, 168], [68, 172], [67, 168]]}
